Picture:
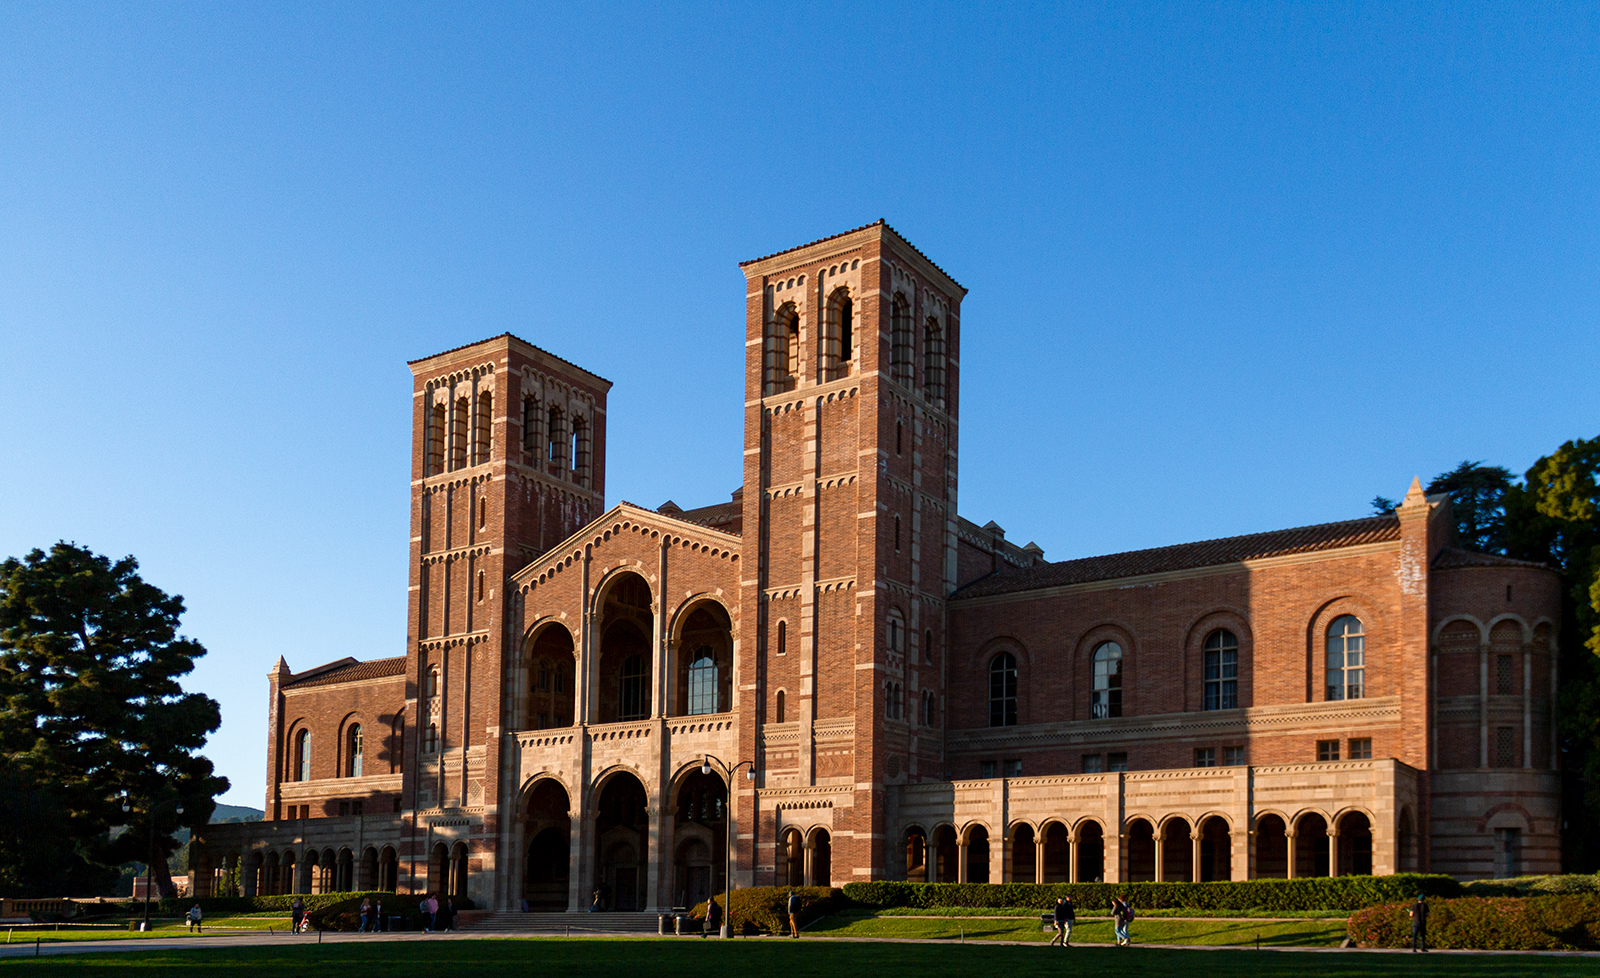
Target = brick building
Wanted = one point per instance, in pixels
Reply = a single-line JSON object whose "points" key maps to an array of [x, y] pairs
{"points": [[917, 696]]}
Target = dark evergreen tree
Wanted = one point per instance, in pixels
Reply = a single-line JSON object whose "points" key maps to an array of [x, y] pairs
{"points": [[95, 729], [1478, 500]]}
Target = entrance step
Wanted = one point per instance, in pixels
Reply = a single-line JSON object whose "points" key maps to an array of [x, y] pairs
{"points": [[565, 923]]}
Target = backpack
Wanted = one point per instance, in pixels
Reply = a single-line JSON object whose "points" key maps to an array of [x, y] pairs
{"points": [[1127, 912]]}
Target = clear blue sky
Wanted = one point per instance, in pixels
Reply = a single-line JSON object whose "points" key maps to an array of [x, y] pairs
{"points": [[1232, 268]]}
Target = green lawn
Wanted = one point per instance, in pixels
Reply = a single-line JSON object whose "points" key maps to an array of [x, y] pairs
{"points": [[765, 958], [863, 923], [164, 927], [1143, 913]]}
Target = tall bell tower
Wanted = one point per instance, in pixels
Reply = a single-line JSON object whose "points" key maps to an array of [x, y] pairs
{"points": [[852, 375]]}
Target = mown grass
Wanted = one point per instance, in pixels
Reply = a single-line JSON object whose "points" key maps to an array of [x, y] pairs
{"points": [[764, 958], [864, 923], [165, 928], [1034, 912]]}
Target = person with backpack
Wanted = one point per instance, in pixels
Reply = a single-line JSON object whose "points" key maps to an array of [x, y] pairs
{"points": [[1064, 916], [1419, 925], [1121, 917], [713, 919], [194, 918], [297, 913]]}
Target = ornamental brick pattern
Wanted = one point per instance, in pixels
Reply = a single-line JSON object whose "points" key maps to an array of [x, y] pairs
{"points": [[917, 696]]}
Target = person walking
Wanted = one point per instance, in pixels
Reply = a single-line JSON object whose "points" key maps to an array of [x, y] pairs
{"points": [[1121, 917], [1419, 925], [194, 919], [448, 914], [297, 913], [366, 911], [1064, 916], [713, 919], [377, 916], [430, 906], [794, 914]]}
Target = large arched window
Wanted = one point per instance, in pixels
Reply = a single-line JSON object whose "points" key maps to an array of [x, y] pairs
{"points": [[580, 450], [631, 688], [702, 683], [352, 746], [1105, 697], [458, 434], [556, 436], [1003, 690], [436, 431], [430, 739], [302, 756], [783, 350], [933, 361], [481, 429], [900, 349], [837, 337], [1347, 658], [530, 428], [1222, 670]]}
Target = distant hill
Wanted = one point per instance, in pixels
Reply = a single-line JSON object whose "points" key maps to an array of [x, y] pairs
{"points": [[236, 813]]}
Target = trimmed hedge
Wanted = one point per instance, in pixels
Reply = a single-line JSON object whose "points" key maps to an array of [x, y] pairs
{"points": [[1548, 923], [1529, 886], [345, 913], [1309, 893], [216, 906], [765, 909]]}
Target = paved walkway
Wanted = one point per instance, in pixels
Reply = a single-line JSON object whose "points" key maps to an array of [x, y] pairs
{"points": [[191, 943]]}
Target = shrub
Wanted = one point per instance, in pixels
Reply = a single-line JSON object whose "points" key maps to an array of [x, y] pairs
{"points": [[765, 909], [1544, 923], [217, 906], [1309, 893], [344, 912], [1533, 885]]}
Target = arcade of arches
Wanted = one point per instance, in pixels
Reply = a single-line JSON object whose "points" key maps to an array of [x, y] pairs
{"points": [[1175, 849]]}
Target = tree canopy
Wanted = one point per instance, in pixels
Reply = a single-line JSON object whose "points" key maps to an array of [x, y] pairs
{"points": [[93, 718]]}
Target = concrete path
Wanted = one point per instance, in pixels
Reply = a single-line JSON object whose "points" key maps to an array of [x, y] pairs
{"points": [[194, 943]]}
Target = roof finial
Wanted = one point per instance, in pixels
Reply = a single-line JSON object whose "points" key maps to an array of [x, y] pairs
{"points": [[1414, 496]]}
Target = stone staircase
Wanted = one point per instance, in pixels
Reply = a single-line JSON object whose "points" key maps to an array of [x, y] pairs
{"points": [[573, 924]]}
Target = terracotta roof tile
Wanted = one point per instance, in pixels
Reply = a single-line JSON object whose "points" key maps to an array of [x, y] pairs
{"points": [[1450, 558], [1183, 556], [347, 671]]}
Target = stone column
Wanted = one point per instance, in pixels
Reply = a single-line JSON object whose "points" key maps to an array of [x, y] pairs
{"points": [[1038, 858], [1160, 838], [1194, 853], [1290, 834], [805, 863], [1333, 851], [961, 859], [1072, 860]]}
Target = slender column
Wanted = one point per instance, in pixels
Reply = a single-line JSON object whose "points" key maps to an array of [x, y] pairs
{"points": [[1194, 854], [1073, 846], [805, 872], [1333, 851], [1527, 707], [1161, 855], [961, 860], [1038, 857], [1290, 836], [1483, 705]]}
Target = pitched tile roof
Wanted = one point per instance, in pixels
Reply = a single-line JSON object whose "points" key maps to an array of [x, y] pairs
{"points": [[1183, 556], [347, 670], [507, 335], [879, 222], [1450, 558]]}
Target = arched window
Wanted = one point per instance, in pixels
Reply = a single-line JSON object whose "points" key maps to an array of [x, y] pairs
{"points": [[436, 432], [631, 686], [430, 739], [1003, 690], [555, 450], [580, 450], [302, 756], [895, 633], [483, 512], [932, 702], [927, 645], [702, 683], [530, 428], [481, 436], [777, 708], [900, 349], [783, 638], [1347, 658], [899, 437], [458, 435], [933, 361], [783, 350], [433, 683], [837, 338], [1105, 697], [480, 585], [897, 533], [1222, 670], [353, 751]]}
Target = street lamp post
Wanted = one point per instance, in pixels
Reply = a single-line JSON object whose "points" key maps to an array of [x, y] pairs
{"points": [[150, 852], [727, 876]]}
